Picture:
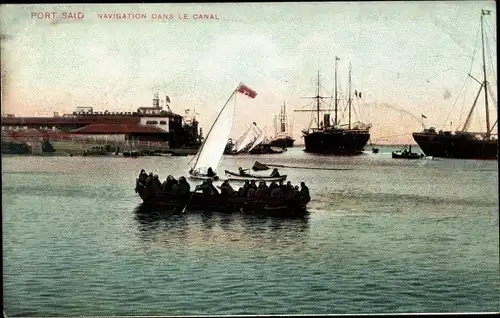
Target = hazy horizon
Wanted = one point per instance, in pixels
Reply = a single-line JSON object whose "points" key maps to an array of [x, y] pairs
{"points": [[408, 59]]}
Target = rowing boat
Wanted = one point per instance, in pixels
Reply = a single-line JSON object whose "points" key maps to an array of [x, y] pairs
{"points": [[198, 202], [236, 176]]}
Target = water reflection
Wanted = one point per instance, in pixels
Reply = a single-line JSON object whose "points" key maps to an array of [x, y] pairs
{"points": [[214, 228]]}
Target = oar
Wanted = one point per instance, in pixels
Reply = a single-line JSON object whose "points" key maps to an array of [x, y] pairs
{"points": [[297, 167], [187, 203]]}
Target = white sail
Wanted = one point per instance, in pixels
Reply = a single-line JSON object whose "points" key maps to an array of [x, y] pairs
{"points": [[242, 138], [213, 147], [261, 138], [215, 142], [249, 139]]}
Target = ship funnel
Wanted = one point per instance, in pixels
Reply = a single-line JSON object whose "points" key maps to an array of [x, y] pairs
{"points": [[326, 120]]}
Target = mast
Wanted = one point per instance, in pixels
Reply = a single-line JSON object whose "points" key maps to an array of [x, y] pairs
{"points": [[318, 109], [317, 102], [484, 79], [350, 101], [283, 118], [336, 100]]}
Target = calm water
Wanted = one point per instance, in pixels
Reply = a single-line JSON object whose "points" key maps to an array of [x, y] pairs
{"points": [[388, 236]]}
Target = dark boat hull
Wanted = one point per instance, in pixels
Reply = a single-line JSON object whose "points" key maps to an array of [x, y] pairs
{"points": [[15, 148], [286, 142], [336, 142], [264, 151], [397, 155], [456, 146], [219, 203]]}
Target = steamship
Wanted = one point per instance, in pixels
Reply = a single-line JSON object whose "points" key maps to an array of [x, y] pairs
{"points": [[463, 144], [332, 138], [283, 138]]}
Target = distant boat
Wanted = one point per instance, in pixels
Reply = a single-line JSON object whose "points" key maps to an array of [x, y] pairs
{"points": [[462, 144], [406, 154], [244, 142], [99, 151], [262, 145], [212, 149], [15, 148], [282, 138], [336, 139]]}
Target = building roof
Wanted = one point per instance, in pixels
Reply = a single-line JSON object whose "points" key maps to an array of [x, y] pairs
{"points": [[117, 129]]}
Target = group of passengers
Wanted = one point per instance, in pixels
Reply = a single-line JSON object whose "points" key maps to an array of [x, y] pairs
{"points": [[250, 189]]}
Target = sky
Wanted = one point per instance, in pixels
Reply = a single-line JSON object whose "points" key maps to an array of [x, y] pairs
{"points": [[408, 59]]}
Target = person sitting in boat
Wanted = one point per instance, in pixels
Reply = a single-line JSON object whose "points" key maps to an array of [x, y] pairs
{"points": [[243, 171], [204, 188], [142, 176], [226, 189], [168, 184], [304, 192], [152, 186], [253, 185], [275, 173], [213, 189], [141, 180], [282, 187], [210, 172], [183, 188], [262, 191], [275, 192], [251, 192], [246, 187], [293, 193], [149, 178], [156, 180], [207, 188]]}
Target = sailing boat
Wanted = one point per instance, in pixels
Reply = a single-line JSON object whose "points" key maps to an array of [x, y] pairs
{"points": [[283, 138], [463, 144], [262, 145], [244, 142], [335, 139], [206, 161]]}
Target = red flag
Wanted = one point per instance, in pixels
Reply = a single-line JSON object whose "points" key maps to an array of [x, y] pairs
{"points": [[247, 91]]}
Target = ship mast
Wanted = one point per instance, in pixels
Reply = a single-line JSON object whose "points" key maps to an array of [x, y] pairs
{"points": [[317, 97], [350, 100], [485, 83], [336, 99], [283, 118], [317, 102]]}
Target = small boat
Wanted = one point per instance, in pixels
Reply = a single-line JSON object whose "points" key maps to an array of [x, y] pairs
{"points": [[98, 151], [244, 142], [237, 176], [202, 176], [406, 154], [132, 154], [259, 166]]}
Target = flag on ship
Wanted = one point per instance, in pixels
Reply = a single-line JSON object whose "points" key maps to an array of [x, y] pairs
{"points": [[167, 99], [486, 12], [423, 116], [245, 90]]}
